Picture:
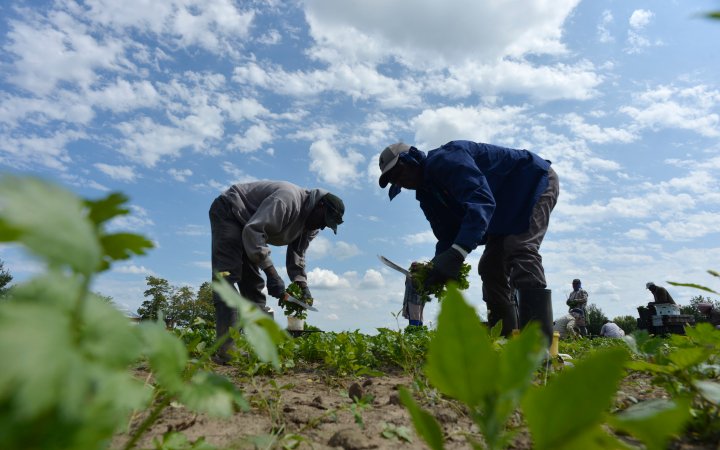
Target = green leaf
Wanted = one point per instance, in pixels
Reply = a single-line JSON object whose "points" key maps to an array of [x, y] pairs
{"points": [[123, 246], [685, 358], [519, 360], [693, 285], [213, 394], [100, 211], [50, 221], [167, 355], [261, 331], [653, 422], [425, 424], [709, 389], [551, 409], [461, 362]]}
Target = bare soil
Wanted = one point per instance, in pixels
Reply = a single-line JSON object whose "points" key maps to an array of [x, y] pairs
{"points": [[318, 411]]}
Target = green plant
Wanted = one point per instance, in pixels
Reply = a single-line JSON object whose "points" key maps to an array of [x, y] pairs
{"points": [[419, 272], [493, 378], [392, 431], [69, 383], [292, 309]]}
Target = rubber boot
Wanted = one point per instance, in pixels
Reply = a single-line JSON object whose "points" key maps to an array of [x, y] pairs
{"points": [[536, 305], [506, 312]]}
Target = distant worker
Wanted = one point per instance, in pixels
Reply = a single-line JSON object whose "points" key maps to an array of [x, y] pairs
{"points": [[567, 325], [611, 330], [661, 295], [712, 313], [248, 217], [578, 298]]}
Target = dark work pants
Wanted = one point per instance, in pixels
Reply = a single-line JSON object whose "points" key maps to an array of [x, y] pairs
{"points": [[513, 261], [228, 255]]}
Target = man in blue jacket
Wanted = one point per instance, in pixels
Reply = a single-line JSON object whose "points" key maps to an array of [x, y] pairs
{"points": [[480, 194]]}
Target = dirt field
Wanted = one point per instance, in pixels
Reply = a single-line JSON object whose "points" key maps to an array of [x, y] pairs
{"points": [[317, 411]]}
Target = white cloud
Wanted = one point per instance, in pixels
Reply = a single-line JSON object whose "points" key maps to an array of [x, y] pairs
{"points": [[425, 237], [640, 18], [49, 151], [674, 107], [369, 30], [606, 20], [253, 139], [333, 167], [132, 269], [180, 174], [120, 173], [326, 279], [372, 279], [194, 230], [438, 126], [345, 250], [595, 133]]}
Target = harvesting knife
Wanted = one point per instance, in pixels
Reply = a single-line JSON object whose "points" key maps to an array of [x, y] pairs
{"points": [[291, 299], [392, 265]]}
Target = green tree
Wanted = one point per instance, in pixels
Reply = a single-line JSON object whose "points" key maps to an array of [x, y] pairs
{"points": [[595, 319], [205, 305], [158, 296], [5, 279], [182, 310], [627, 323]]}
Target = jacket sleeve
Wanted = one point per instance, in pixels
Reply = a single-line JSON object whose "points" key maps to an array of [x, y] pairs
{"points": [[458, 175], [270, 218], [295, 256]]}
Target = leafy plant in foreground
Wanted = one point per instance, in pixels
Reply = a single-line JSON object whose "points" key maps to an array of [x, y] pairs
{"points": [[66, 381], [493, 380]]}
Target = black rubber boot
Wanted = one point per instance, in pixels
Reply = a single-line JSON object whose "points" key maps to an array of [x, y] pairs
{"points": [[536, 305], [507, 312]]}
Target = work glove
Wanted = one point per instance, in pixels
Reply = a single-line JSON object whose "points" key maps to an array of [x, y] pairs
{"points": [[306, 294], [275, 284], [446, 265]]}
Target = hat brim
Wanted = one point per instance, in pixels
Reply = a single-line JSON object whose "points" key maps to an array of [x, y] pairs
{"points": [[384, 178]]}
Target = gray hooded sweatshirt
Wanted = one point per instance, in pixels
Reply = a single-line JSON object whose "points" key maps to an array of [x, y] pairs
{"points": [[274, 212]]}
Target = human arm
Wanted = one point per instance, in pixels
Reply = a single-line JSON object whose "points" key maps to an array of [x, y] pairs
{"points": [[270, 218]]}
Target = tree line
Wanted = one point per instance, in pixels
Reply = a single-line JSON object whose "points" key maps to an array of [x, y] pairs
{"points": [[178, 306]]}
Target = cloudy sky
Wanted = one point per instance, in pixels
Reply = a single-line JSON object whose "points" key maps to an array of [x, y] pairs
{"points": [[173, 101]]}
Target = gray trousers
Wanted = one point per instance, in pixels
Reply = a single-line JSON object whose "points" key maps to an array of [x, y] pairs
{"points": [[513, 261], [228, 255]]}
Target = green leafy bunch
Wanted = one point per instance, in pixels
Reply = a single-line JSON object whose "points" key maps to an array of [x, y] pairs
{"points": [[292, 309], [66, 380], [419, 272]]}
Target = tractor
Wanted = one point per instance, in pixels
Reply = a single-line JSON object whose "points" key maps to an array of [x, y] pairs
{"points": [[663, 318]]}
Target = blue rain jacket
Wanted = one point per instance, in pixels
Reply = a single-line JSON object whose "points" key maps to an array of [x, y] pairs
{"points": [[471, 189]]}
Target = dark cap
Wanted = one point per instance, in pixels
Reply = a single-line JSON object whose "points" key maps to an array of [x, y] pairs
{"points": [[576, 281], [334, 210]]}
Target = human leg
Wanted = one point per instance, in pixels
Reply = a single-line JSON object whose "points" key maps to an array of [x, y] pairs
{"points": [[497, 293]]}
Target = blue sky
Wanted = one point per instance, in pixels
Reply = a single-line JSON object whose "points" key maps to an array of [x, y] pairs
{"points": [[171, 102]]}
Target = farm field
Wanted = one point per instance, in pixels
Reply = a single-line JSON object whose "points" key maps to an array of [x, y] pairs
{"points": [[83, 376]]}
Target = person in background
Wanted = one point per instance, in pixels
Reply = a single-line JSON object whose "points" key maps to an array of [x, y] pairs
{"points": [[578, 298], [248, 217], [660, 294], [711, 313], [480, 194], [611, 330], [567, 324]]}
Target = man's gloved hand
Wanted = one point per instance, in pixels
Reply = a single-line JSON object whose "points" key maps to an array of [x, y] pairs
{"points": [[275, 284], [446, 265], [306, 294]]}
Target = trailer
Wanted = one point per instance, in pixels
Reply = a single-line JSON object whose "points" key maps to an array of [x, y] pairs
{"points": [[663, 318]]}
